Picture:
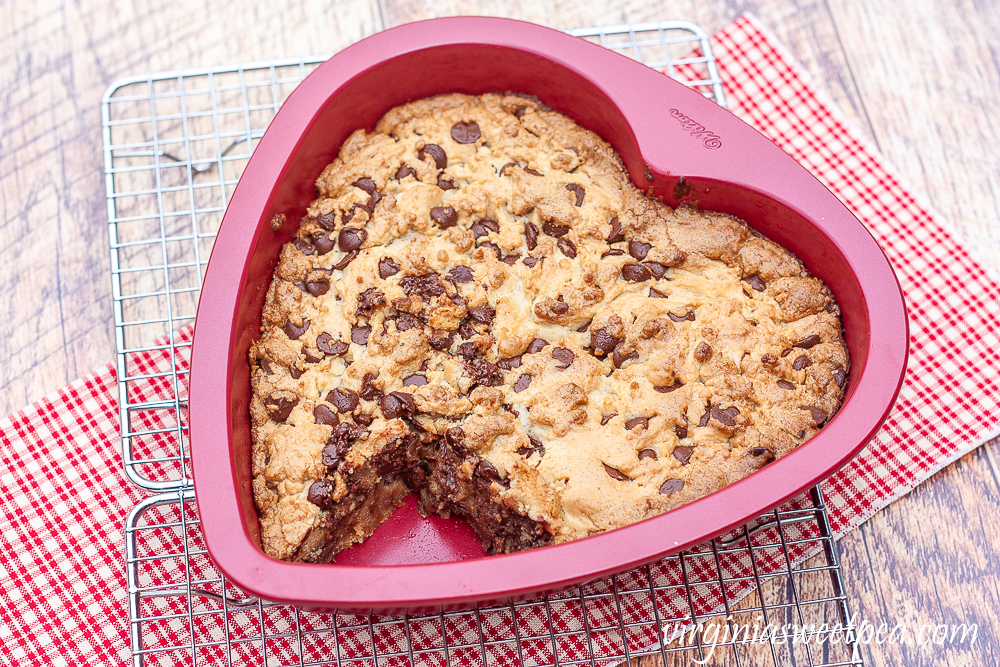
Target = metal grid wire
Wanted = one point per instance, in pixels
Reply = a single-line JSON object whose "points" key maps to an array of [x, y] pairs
{"points": [[175, 144]]}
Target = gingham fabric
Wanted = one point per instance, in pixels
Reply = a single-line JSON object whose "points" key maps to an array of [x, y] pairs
{"points": [[63, 595]]}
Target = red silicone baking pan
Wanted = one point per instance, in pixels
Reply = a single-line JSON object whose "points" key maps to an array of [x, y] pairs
{"points": [[673, 141]]}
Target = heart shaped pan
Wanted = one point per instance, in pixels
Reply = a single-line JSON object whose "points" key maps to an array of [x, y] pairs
{"points": [[671, 139]]}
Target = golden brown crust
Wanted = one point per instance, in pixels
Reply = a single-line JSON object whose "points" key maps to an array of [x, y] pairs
{"points": [[604, 357]]}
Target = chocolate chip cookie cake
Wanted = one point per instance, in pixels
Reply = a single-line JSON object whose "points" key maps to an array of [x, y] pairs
{"points": [[481, 309]]}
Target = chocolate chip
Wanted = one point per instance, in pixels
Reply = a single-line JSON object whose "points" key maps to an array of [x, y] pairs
{"points": [[637, 421], [445, 183], [680, 431], [666, 389], [638, 249], [444, 216], [703, 352], [426, 286], [727, 416], [568, 247], [366, 184], [404, 171], [839, 376], [606, 418], [801, 361], [454, 436], [327, 220], [602, 342], [304, 246], [407, 322], [485, 473], [467, 330], [786, 385], [658, 270], [657, 294], [482, 314], [364, 418], [522, 383], [530, 262], [531, 171], [323, 242], [318, 287], [351, 239], [510, 363], [756, 282], [688, 316], [768, 359], [465, 133], [506, 168], [494, 247], [436, 153], [762, 452], [397, 404], [295, 372], [459, 274], [683, 454], [615, 473], [531, 234], [324, 415], [564, 356], [280, 407], [552, 229], [519, 112], [578, 191], [671, 486], [321, 494], [807, 342], [484, 227], [818, 415], [369, 391], [616, 234], [327, 345], [785, 353], [583, 327], [334, 451], [293, 331], [535, 446], [483, 372], [344, 399], [266, 366], [537, 345], [636, 273], [648, 454], [310, 357], [347, 259], [360, 334], [369, 301], [705, 417], [614, 252], [387, 266], [440, 340], [415, 381], [511, 260], [618, 358]]}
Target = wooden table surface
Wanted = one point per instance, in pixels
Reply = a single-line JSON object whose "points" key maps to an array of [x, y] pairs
{"points": [[920, 78]]}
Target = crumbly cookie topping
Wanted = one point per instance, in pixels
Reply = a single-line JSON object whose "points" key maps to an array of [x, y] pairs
{"points": [[479, 303]]}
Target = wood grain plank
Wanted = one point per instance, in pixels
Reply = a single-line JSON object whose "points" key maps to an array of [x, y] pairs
{"points": [[929, 74]]}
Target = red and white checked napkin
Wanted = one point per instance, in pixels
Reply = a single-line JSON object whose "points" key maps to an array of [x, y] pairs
{"points": [[63, 597]]}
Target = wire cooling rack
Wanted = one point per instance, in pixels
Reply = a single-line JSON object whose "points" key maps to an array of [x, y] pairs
{"points": [[175, 144]]}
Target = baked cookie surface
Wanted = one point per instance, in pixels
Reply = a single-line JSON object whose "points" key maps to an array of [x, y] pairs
{"points": [[481, 308]]}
